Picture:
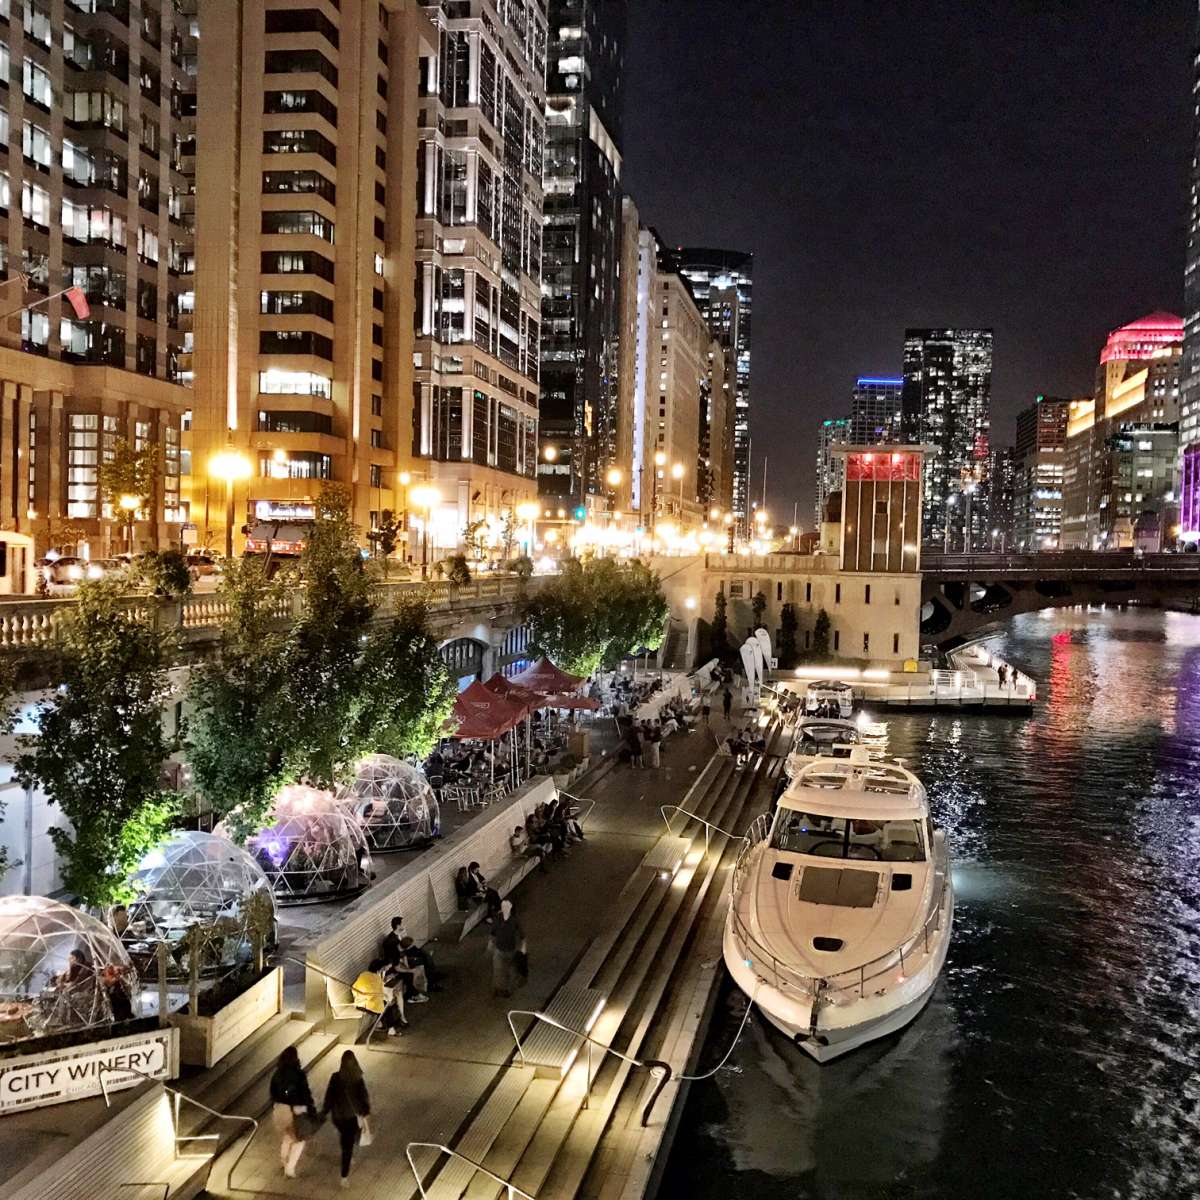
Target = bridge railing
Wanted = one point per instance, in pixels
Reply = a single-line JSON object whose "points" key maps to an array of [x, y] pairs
{"points": [[1049, 562]]}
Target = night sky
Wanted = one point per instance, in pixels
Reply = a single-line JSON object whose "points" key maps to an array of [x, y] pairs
{"points": [[1015, 165]]}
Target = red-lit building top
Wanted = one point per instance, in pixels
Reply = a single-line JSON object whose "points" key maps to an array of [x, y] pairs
{"points": [[1144, 338], [883, 465]]}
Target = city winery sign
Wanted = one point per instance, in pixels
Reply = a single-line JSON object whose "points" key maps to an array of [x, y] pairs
{"points": [[73, 1073]]}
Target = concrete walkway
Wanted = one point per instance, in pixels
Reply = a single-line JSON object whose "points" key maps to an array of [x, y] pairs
{"points": [[425, 1085]]}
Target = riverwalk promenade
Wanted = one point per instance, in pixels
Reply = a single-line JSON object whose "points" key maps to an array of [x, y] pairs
{"points": [[598, 924]]}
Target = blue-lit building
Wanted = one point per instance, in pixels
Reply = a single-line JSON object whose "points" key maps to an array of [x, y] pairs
{"points": [[875, 410]]}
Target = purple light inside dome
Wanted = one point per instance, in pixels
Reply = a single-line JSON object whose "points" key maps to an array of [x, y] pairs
{"points": [[275, 848]]}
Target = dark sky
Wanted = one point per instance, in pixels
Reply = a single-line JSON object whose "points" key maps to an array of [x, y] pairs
{"points": [[1021, 166]]}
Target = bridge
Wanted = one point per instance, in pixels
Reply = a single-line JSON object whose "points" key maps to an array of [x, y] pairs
{"points": [[961, 594]]}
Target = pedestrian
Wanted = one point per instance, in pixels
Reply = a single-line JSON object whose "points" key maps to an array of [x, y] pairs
{"points": [[706, 706], [1001, 671], [727, 702], [633, 739], [290, 1098], [507, 940], [349, 1106]]}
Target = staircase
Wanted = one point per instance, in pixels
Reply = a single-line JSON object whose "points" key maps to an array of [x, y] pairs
{"points": [[541, 1124]]}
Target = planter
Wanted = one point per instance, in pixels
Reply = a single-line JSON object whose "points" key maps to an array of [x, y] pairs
{"points": [[204, 1041]]}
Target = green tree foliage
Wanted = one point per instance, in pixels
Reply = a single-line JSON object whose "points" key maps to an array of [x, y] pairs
{"points": [[758, 606], [475, 539], [128, 472], [405, 689], [720, 627], [165, 573], [597, 612], [787, 636], [385, 537], [241, 729], [820, 638], [101, 744]]}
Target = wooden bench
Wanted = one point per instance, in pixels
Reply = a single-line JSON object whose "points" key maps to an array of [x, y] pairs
{"points": [[503, 881], [549, 1050]]}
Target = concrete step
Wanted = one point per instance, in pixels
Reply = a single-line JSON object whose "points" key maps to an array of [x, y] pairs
{"points": [[511, 1142]]}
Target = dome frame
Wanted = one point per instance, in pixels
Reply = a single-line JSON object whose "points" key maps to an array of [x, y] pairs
{"points": [[393, 803]]}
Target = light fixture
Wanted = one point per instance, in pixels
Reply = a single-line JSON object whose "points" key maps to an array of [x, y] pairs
{"points": [[550, 453], [229, 465], [660, 458], [614, 476], [425, 497], [677, 471], [405, 479], [130, 503]]}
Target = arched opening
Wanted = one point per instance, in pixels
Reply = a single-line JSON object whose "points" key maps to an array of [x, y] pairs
{"points": [[464, 657]]}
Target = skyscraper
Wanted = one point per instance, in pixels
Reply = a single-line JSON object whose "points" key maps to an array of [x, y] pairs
{"points": [[1189, 370], [831, 466], [581, 251], [1039, 462], [875, 410], [946, 407], [722, 282]]}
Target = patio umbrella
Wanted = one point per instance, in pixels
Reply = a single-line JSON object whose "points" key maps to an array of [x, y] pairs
{"points": [[483, 715], [546, 679]]}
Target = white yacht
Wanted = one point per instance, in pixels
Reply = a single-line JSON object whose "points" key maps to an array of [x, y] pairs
{"points": [[829, 698], [842, 905]]}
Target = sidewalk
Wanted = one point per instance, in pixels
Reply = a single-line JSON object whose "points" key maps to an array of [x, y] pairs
{"points": [[425, 1084]]}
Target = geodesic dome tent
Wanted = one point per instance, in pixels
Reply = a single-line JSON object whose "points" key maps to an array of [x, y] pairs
{"points": [[310, 849], [60, 970], [392, 802], [198, 880]]}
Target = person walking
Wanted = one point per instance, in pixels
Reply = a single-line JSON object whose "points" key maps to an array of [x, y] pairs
{"points": [[290, 1098], [506, 941], [349, 1106], [727, 702], [633, 739], [706, 705]]}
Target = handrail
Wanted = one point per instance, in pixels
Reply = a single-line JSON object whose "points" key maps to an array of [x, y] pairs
{"points": [[300, 962], [591, 804], [657, 1068], [103, 1069], [709, 827], [512, 1188]]}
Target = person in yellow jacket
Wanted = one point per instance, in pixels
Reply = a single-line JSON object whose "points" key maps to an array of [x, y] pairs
{"points": [[377, 1001]]}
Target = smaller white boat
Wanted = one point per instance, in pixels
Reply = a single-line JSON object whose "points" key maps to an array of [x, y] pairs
{"points": [[829, 698], [842, 905]]}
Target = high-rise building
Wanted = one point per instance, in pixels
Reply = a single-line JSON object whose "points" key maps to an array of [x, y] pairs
{"points": [[832, 433], [1189, 371], [722, 282], [1002, 500], [1122, 457], [581, 250], [716, 434], [94, 195], [629, 398], [1039, 454], [306, 188], [875, 406], [946, 407]]}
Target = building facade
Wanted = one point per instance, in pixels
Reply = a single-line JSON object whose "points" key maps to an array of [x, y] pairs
{"points": [[1002, 499], [722, 282], [582, 250], [1189, 382], [629, 399], [1039, 454], [99, 99], [947, 407], [875, 408], [832, 434]]}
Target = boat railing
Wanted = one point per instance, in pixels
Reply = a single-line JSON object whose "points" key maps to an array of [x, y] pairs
{"points": [[848, 984]]}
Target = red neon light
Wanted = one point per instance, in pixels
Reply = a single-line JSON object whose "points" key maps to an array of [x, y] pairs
{"points": [[1143, 338]]}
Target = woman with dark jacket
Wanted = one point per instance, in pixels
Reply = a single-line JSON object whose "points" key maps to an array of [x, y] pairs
{"points": [[290, 1096], [349, 1106]]}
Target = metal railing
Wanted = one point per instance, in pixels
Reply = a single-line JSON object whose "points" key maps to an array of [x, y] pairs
{"points": [[591, 804], [507, 1184], [658, 1069], [177, 1099], [814, 987], [1053, 562], [709, 827]]}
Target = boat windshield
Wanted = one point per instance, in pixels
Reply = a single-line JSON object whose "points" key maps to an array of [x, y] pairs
{"points": [[838, 837]]}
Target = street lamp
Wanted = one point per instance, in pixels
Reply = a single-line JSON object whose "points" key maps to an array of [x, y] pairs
{"points": [[425, 498], [404, 479], [660, 460], [129, 505], [677, 473], [528, 512], [550, 453], [951, 500], [229, 465]]}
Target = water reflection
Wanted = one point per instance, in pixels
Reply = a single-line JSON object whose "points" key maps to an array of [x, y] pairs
{"points": [[1059, 1055]]}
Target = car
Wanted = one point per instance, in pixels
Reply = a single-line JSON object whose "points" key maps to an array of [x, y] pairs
{"points": [[68, 570], [203, 564]]}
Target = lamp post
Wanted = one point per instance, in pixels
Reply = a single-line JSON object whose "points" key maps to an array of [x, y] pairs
{"points": [[951, 500], [129, 505], [677, 473], [404, 479], [528, 512], [425, 498], [660, 460], [968, 491], [229, 465]]}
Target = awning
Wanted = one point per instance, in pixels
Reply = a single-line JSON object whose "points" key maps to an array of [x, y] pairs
{"points": [[546, 679], [479, 713]]}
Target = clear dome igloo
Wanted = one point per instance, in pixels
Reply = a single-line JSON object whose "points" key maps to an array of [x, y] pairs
{"points": [[311, 849], [60, 970], [392, 802], [198, 879]]}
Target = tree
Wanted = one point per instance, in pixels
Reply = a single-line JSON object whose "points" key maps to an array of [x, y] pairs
{"points": [[633, 606], [128, 472], [385, 537], [720, 627], [405, 689], [508, 533], [457, 570], [475, 538], [522, 567], [820, 638], [101, 745], [787, 636], [240, 729], [758, 606], [165, 573]]}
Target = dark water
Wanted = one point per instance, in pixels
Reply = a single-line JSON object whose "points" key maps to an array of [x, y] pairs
{"points": [[1059, 1055]]}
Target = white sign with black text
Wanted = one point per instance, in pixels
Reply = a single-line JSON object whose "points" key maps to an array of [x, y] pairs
{"points": [[75, 1072]]}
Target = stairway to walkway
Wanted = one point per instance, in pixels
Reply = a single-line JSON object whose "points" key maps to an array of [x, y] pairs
{"points": [[541, 1129]]}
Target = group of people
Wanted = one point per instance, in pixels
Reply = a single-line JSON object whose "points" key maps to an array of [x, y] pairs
{"points": [[506, 938], [403, 973], [624, 696], [643, 739], [1008, 676], [742, 742], [548, 832]]}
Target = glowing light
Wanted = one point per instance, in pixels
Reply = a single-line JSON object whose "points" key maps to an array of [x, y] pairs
{"points": [[528, 511], [614, 476], [405, 479], [690, 602], [550, 453], [130, 503], [425, 496], [677, 471], [660, 458], [279, 455], [230, 465]]}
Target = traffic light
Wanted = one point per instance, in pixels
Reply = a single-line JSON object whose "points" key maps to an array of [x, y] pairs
{"points": [[580, 513]]}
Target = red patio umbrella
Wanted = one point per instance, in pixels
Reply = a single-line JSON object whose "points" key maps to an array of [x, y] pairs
{"points": [[565, 701], [546, 679], [483, 714], [513, 692]]}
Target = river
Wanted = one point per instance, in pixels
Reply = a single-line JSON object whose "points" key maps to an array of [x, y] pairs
{"points": [[1059, 1055]]}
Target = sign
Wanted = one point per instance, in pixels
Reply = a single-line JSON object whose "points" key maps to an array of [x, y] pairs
{"points": [[189, 535], [73, 1073]]}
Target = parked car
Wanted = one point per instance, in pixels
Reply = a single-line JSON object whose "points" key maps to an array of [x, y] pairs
{"points": [[66, 571], [201, 564]]}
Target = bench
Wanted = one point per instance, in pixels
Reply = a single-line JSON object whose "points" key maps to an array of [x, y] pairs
{"points": [[551, 1051], [503, 881]]}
